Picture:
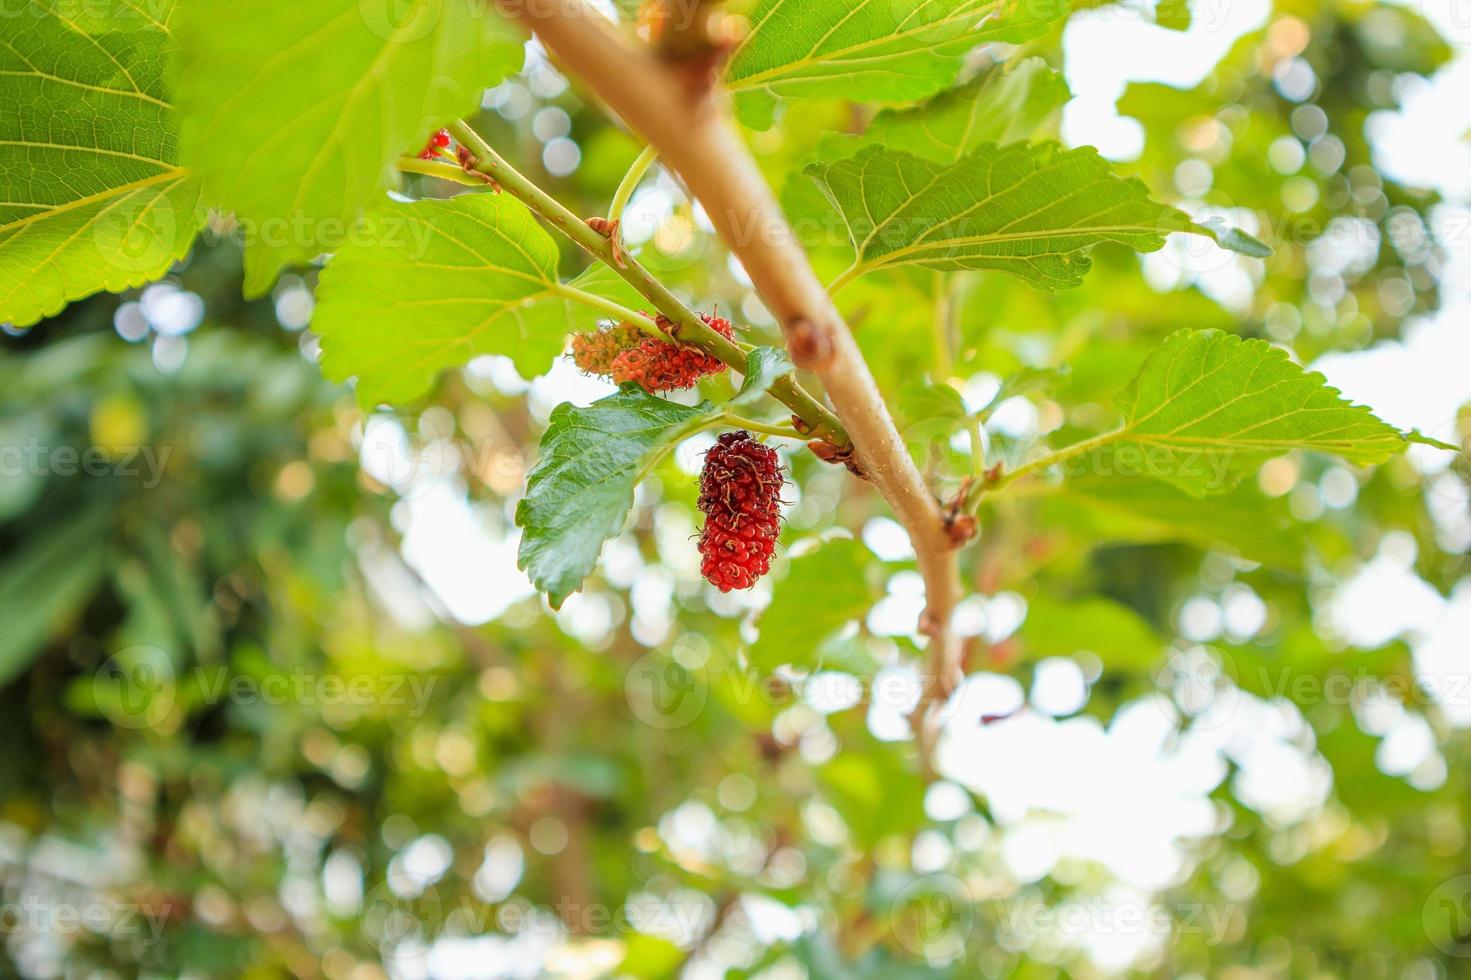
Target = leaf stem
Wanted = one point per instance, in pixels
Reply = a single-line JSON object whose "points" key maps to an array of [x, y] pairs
{"points": [[977, 447], [694, 426], [848, 275], [1059, 456], [617, 310], [740, 422], [690, 329], [434, 168], [630, 182]]}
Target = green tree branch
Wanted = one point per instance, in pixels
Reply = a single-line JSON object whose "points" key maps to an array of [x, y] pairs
{"points": [[689, 328]]}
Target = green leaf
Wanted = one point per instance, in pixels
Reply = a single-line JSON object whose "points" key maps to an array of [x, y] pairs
{"points": [[1416, 436], [929, 411], [1020, 382], [880, 50], [1002, 106], [580, 490], [431, 285], [1034, 210], [920, 401], [93, 197], [45, 582], [1208, 408], [824, 591], [1233, 239], [293, 113], [1120, 637], [764, 365]]}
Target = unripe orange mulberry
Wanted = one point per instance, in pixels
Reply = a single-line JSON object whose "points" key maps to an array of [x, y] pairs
{"points": [[623, 353], [594, 352]]}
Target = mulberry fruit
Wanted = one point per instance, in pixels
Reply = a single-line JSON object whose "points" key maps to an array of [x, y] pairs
{"points": [[437, 142], [624, 354], [740, 495], [594, 352]]}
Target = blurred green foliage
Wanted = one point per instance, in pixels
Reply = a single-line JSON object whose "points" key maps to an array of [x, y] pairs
{"points": [[248, 735]]}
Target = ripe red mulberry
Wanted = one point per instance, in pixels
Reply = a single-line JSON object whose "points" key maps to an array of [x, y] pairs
{"points": [[660, 366], [740, 495]]}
